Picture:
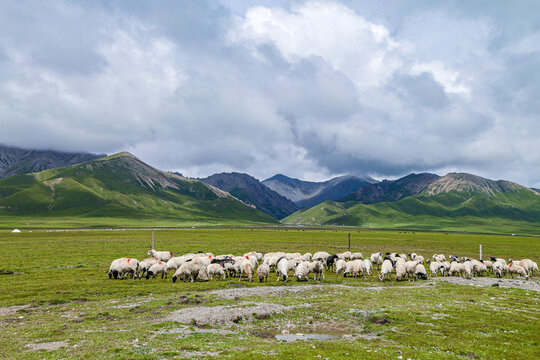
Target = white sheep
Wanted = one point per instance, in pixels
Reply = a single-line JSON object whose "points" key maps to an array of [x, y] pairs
{"points": [[317, 268], [302, 270], [262, 272], [516, 269], [420, 272], [282, 269], [357, 256], [499, 268], [120, 268], [439, 257], [369, 267], [456, 269], [401, 271], [215, 270], [321, 255], [410, 266], [341, 265], [145, 264], [357, 268], [246, 269], [188, 270], [435, 266], [159, 267], [161, 255], [377, 259], [386, 269], [257, 255]]}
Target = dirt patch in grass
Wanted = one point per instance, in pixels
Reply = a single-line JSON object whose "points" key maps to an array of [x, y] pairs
{"points": [[533, 285], [54, 345], [11, 310], [224, 314]]}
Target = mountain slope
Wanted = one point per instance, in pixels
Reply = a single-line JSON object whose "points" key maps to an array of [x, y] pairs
{"points": [[306, 193], [15, 161], [392, 190], [120, 186], [453, 202], [252, 191]]}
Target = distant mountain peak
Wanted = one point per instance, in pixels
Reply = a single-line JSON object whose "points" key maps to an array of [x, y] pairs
{"points": [[464, 182]]}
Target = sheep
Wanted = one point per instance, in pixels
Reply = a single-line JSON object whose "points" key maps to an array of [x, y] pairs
{"points": [[321, 255], [439, 257], [410, 266], [445, 267], [516, 269], [317, 268], [145, 264], [345, 255], [401, 271], [478, 267], [257, 255], [377, 259], [262, 272], [341, 265], [290, 256], [456, 268], [368, 266], [356, 267], [282, 269], [357, 256], [499, 268], [412, 255], [420, 272], [534, 268], [495, 259], [158, 268], [215, 269], [331, 261], [488, 264], [189, 270], [161, 255], [526, 264], [308, 256], [120, 268], [246, 269], [302, 270], [467, 268], [386, 269], [435, 266]]}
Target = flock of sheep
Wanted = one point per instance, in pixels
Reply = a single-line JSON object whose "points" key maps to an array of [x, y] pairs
{"points": [[205, 266]]}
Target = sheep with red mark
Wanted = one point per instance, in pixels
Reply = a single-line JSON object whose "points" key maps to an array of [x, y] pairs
{"points": [[161, 255], [123, 267]]}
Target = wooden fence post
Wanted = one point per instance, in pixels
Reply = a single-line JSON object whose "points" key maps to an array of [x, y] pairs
{"points": [[349, 241], [153, 242]]}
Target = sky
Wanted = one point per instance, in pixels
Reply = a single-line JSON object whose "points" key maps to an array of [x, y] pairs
{"points": [[310, 89]]}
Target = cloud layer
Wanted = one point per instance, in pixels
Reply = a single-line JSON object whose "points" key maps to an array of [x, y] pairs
{"points": [[310, 89]]}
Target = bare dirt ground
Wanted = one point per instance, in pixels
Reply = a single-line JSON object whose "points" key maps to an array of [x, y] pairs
{"points": [[225, 314], [12, 310], [55, 345], [533, 285]]}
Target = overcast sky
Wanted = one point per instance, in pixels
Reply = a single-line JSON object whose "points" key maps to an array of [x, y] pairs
{"points": [[310, 89]]}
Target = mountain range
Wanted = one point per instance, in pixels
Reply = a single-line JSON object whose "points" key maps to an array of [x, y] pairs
{"points": [[306, 194], [253, 192], [122, 186], [15, 161]]}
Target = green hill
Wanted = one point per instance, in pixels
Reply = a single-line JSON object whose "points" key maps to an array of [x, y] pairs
{"points": [[458, 202], [118, 190]]}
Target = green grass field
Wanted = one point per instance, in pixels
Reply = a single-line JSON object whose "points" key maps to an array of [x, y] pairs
{"points": [[60, 277]]}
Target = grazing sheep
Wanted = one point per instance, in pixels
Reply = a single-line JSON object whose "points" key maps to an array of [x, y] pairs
{"points": [[516, 269], [188, 270], [321, 255], [478, 267], [145, 264], [420, 272], [499, 268], [377, 259], [439, 257], [282, 269], [120, 268], [161, 255], [345, 255], [341, 265], [445, 267], [257, 255], [158, 268], [456, 269], [290, 256], [435, 266], [262, 272], [246, 269], [467, 268], [215, 269], [302, 270], [410, 266], [317, 268], [488, 264], [357, 256], [412, 255], [401, 271], [368, 266], [331, 261], [386, 269], [358, 267]]}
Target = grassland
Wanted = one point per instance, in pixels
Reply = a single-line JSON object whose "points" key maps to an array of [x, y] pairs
{"points": [[59, 276]]}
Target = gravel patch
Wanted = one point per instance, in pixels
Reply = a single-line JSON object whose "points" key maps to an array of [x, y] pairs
{"points": [[55, 345], [224, 314], [263, 291], [533, 285], [11, 310]]}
